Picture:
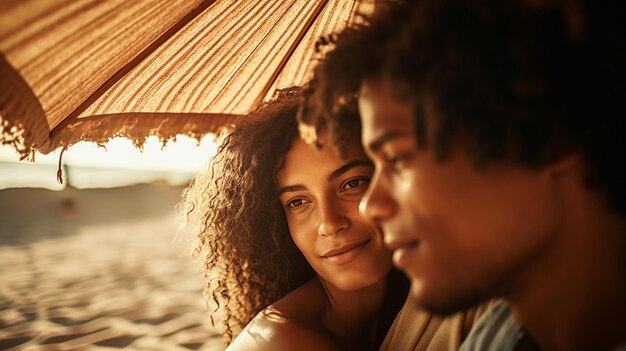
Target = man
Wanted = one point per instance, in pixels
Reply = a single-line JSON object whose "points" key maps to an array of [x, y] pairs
{"points": [[497, 131]]}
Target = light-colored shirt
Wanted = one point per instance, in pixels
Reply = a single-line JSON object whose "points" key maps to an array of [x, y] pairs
{"points": [[497, 329], [417, 330]]}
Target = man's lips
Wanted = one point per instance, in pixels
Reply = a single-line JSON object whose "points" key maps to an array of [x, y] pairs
{"points": [[343, 249], [394, 243], [403, 255]]}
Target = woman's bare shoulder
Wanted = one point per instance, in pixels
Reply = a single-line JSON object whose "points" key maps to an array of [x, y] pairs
{"points": [[304, 304], [272, 330], [290, 323]]}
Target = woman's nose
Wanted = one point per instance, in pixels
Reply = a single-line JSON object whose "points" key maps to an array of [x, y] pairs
{"points": [[333, 219]]}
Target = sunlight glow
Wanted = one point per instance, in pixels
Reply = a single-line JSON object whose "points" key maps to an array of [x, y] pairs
{"points": [[117, 164], [183, 155]]}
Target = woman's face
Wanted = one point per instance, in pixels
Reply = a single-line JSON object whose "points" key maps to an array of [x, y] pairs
{"points": [[320, 194]]}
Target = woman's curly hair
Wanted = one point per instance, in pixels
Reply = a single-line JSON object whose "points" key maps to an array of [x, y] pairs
{"points": [[522, 81], [234, 213]]}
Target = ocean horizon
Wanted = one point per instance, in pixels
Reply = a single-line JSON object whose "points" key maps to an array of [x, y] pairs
{"points": [[25, 174]]}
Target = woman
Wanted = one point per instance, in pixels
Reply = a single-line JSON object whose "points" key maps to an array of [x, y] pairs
{"points": [[280, 237]]}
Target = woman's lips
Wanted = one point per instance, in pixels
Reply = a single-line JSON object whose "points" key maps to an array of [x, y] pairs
{"points": [[345, 253]]}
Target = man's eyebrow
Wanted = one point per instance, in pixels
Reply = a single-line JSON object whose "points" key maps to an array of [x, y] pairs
{"points": [[290, 188], [348, 166], [377, 143]]}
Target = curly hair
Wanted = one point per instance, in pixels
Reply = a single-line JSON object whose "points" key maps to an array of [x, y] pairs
{"points": [[528, 81], [356, 53], [234, 213]]}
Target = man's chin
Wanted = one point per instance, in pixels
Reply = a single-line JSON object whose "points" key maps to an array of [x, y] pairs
{"points": [[439, 303]]}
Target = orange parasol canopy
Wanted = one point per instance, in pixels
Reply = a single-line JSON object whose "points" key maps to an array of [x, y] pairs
{"points": [[74, 70]]}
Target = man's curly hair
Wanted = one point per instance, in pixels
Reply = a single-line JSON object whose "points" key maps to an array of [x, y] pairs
{"points": [[233, 211], [526, 81]]}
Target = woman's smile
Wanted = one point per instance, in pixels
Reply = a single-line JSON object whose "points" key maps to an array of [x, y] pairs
{"points": [[346, 253], [320, 194]]}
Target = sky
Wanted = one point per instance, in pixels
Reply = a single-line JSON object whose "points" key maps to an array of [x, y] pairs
{"points": [[119, 163]]}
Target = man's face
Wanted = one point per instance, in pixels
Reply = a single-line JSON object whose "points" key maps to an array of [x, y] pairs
{"points": [[461, 234]]}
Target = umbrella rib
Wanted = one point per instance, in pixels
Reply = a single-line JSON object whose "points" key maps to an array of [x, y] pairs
{"points": [[352, 12], [73, 116], [250, 54], [292, 49]]}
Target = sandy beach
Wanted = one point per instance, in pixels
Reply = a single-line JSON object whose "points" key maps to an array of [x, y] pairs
{"points": [[98, 269]]}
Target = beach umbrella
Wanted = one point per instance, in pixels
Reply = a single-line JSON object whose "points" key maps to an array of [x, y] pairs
{"points": [[74, 70]]}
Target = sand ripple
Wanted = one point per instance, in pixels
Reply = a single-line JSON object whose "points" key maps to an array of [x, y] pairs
{"points": [[108, 285]]}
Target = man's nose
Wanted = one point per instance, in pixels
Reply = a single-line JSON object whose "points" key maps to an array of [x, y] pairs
{"points": [[377, 204]]}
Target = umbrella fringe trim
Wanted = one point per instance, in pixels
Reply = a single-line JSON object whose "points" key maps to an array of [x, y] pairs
{"points": [[14, 134], [60, 170]]}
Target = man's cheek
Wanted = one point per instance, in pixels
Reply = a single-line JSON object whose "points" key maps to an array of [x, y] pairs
{"points": [[405, 184]]}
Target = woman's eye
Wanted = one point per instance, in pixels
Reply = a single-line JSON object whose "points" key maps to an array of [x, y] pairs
{"points": [[295, 203], [354, 183]]}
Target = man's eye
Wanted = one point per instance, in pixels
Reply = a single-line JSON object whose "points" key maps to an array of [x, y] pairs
{"points": [[393, 160], [396, 160]]}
